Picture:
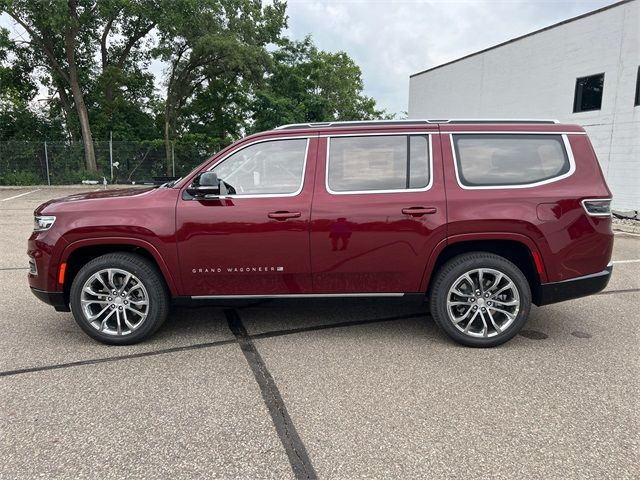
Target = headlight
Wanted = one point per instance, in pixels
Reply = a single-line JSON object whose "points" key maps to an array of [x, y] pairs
{"points": [[42, 222]]}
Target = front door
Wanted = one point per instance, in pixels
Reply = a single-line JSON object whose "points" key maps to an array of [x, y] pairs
{"points": [[255, 239], [379, 210]]}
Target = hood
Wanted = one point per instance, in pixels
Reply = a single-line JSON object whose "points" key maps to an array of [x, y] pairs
{"points": [[130, 195]]}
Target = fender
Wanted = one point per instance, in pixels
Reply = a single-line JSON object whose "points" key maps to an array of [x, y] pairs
{"points": [[464, 237], [166, 273]]}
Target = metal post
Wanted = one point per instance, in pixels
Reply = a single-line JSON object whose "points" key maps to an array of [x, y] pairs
{"points": [[111, 152], [173, 159], [46, 159]]}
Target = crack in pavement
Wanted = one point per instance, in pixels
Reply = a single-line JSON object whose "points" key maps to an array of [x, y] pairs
{"points": [[291, 441], [197, 346]]}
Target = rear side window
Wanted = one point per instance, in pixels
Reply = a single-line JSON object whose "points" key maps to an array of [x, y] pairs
{"points": [[498, 159], [375, 163]]}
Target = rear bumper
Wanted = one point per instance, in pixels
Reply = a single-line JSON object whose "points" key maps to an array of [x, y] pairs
{"points": [[574, 287], [55, 299]]}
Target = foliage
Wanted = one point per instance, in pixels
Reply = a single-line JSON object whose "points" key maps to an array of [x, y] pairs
{"points": [[17, 117], [19, 177], [134, 161], [228, 70], [309, 85], [214, 52]]}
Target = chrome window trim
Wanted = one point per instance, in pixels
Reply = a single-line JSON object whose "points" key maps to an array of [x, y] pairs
{"points": [[269, 195], [565, 141], [378, 134], [510, 132]]}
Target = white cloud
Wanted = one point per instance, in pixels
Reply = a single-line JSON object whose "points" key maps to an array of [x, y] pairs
{"points": [[391, 39]]}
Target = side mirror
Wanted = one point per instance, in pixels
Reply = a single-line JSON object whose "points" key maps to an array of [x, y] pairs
{"points": [[207, 183]]}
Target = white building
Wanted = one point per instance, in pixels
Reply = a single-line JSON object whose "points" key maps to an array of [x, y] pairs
{"points": [[585, 70]]}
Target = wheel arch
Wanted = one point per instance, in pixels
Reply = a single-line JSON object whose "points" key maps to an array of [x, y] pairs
{"points": [[516, 248], [79, 253]]}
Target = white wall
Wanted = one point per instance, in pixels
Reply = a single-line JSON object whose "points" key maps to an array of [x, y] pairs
{"points": [[535, 78]]}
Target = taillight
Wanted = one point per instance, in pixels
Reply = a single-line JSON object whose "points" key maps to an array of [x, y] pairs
{"points": [[597, 207]]}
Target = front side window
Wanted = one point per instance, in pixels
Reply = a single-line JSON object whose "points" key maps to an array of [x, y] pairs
{"points": [[378, 163], [267, 168], [502, 160], [588, 95]]}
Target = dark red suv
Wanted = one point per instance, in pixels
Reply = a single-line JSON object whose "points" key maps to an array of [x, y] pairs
{"points": [[482, 217]]}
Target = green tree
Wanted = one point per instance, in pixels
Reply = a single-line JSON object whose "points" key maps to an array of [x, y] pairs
{"points": [[122, 96], [64, 37], [18, 119], [222, 75], [310, 85], [60, 35], [208, 41]]}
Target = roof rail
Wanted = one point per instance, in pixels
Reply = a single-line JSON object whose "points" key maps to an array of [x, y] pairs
{"points": [[359, 123]]}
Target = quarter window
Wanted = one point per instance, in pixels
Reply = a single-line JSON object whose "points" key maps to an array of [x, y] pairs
{"points": [[498, 160], [588, 95], [378, 163], [266, 168]]}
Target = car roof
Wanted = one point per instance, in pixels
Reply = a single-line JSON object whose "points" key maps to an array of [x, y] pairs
{"points": [[381, 123], [431, 125]]}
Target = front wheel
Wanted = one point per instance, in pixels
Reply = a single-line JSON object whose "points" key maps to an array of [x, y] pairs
{"points": [[119, 298], [480, 299]]}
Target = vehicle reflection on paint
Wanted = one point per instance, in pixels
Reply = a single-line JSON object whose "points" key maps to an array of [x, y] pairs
{"points": [[340, 233]]}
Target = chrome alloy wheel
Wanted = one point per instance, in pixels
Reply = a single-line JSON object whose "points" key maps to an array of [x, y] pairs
{"points": [[483, 302], [114, 302]]}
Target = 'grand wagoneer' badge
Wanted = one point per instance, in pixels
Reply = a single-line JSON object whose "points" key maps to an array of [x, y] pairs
{"points": [[238, 270]]}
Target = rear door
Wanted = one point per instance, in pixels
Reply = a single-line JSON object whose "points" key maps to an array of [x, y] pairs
{"points": [[379, 209]]}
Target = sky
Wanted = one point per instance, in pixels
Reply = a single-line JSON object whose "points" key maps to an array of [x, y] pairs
{"points": [[392, 39]]}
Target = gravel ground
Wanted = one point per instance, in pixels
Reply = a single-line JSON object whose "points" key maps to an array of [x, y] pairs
{"points": [[626, 225]]}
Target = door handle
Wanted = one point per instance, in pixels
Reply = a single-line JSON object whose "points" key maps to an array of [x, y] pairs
{"points": [[419, 211], [283, 215]]}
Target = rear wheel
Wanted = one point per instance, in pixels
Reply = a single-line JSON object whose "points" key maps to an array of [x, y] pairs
{"points": [[480, 299], [119, 298]]}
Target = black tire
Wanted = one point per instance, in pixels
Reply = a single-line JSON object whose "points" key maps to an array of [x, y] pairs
{"points": [[452, 271], [150, 278]]}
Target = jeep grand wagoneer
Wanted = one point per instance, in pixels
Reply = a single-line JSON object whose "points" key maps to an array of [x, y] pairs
{"points": [[483, 218]]}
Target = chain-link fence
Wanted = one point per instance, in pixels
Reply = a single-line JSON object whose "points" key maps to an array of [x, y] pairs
{"points": [[63, 163]]}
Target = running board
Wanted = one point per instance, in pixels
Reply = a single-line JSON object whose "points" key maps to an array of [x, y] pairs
{"points": [[301, 295]]}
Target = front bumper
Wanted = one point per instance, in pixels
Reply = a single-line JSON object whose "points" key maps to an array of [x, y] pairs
{"points": [[574, 287], [55, 299]]}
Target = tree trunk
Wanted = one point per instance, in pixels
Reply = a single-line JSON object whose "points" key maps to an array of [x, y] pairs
{"points": [[169, 134], [85, 128], [66, 108], [74, 83]]}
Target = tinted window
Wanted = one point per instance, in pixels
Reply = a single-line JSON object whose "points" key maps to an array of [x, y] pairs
{"points": [[393, 162], [588, 94], [509, 159], [265, 168]]}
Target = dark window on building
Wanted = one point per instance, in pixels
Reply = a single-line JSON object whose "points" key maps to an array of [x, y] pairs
{"points": [[588, 93], [637, 102]]}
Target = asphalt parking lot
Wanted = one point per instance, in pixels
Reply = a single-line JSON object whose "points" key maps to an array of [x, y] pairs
{"points": [[329, 388]]}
